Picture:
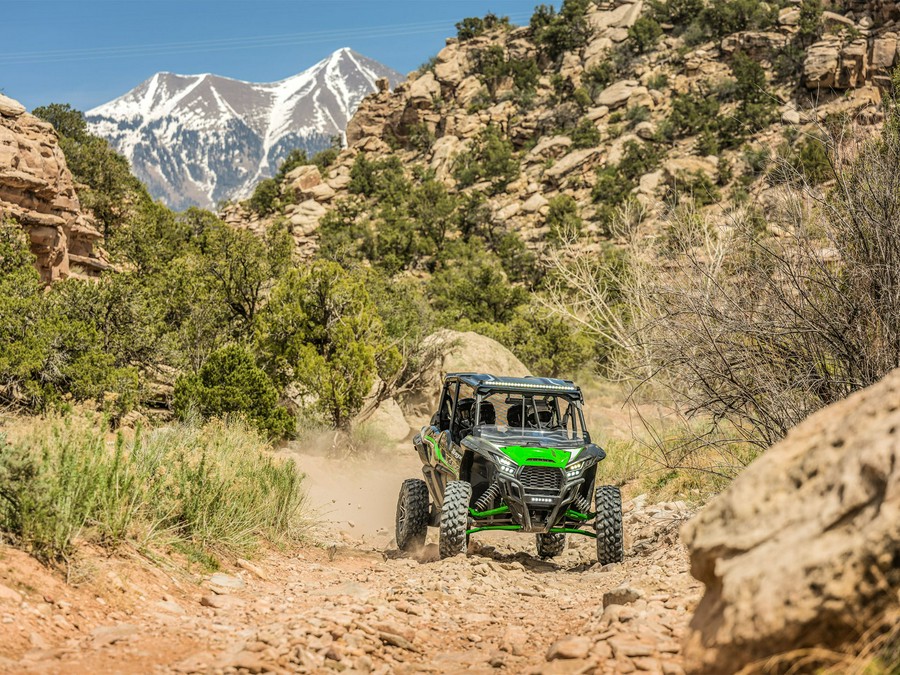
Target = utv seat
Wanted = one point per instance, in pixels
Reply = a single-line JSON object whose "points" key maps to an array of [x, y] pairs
{"points": [[514, 418], [486, 413]]}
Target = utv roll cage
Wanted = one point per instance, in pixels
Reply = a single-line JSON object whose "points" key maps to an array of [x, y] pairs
{"points": [[451, 407]]}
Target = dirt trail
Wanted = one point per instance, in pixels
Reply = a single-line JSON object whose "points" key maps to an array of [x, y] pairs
{"points": [[352, 604]]}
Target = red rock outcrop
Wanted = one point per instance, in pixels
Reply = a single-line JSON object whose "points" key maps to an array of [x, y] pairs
{"points": [[37, 191]]}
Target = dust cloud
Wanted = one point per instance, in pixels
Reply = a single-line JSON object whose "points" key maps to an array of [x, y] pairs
{"points": [[355, 494]]}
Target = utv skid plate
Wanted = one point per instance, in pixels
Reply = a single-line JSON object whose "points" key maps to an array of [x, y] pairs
{"points": [[500, 510]]}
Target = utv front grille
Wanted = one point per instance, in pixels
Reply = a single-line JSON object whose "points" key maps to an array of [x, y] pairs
{"points": [[541, 481]]}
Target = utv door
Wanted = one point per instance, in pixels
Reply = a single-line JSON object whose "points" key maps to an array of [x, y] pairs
{"points": [[439, 470]]}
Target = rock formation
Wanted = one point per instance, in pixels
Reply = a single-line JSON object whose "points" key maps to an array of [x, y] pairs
{"points": [[803, 549], [36, 190]]}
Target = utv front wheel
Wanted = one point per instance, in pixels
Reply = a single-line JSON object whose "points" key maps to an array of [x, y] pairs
{"points": [[610, 545], [455, 518], [412, 515], [551, 544]]}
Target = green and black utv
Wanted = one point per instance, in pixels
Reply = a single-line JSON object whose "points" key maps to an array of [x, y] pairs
{"points": [[504, 453]]}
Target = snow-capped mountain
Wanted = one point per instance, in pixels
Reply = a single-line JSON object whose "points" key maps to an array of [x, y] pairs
{"points": [[197, 139]]}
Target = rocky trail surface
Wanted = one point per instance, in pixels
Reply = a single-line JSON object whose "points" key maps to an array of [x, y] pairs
{"points": [[349, 602]]}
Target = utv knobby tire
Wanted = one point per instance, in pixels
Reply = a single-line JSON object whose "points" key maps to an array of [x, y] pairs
{"points": [[610, 544], [455, 518], [551, 544], [412, 515]]}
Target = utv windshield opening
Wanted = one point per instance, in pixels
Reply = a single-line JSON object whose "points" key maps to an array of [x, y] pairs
{"points": [[538, 419]]}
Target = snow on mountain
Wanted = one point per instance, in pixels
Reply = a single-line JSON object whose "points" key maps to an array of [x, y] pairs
{"points": [[197, 139]]}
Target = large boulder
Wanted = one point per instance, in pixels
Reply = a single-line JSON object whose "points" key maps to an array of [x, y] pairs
{"points": [[457, 352], [803, 549], [617, 94], [387, 421]]}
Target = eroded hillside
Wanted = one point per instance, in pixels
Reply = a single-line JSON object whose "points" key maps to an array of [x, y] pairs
{"points": [[554, 125]]}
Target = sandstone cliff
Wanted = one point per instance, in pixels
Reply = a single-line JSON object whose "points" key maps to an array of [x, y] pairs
{"points": [[36, 190]]}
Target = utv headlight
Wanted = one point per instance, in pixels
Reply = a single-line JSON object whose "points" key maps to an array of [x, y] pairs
{"points": [[575, 469], [506, 466]]}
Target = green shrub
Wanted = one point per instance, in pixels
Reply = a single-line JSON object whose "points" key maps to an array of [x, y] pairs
{"points": [[421, 137], [756, 107], [810, 23], [757, 159], [637, 114], [525, 74], [381, 179], [394, 240], [295, 158], [76, 340], [615, 182], [599, 77], [490, 157], [696, 186], [562, 88], [492, 68], [325, 158], [679, 13], [470, 284], [428, 66], [432, 208], [788, 64], [341, 232], [103, 179], [660, 82], [707, 143], [230, 383], [547, 344], [724, 172], [473, 26], [724, 17], [596, 78], [556, 33], [518, 261], [563, 219], [266, 197], [644, 34], [693, 113], [806, 161], [321, 333], [585, 135], [216, 488]]}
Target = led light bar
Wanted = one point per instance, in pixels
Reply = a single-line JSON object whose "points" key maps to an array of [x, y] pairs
{"points": [[523, 385]]}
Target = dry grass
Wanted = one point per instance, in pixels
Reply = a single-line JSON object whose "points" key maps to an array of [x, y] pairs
{"points": [[876, 652], [200, 489], [652, 451]]}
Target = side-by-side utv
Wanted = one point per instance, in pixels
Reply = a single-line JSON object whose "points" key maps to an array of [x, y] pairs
{"points": [[504, 453]]}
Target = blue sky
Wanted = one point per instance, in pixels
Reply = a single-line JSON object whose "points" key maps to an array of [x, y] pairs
{"points": [[86, 52]]}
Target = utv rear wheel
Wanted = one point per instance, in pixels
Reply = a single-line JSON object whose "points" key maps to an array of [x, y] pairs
{"points": [[412, 515], [610, 545], [455, 518], [551, 544]]}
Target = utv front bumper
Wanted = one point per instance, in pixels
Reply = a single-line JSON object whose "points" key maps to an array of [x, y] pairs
{"points": [[539, 496]]}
